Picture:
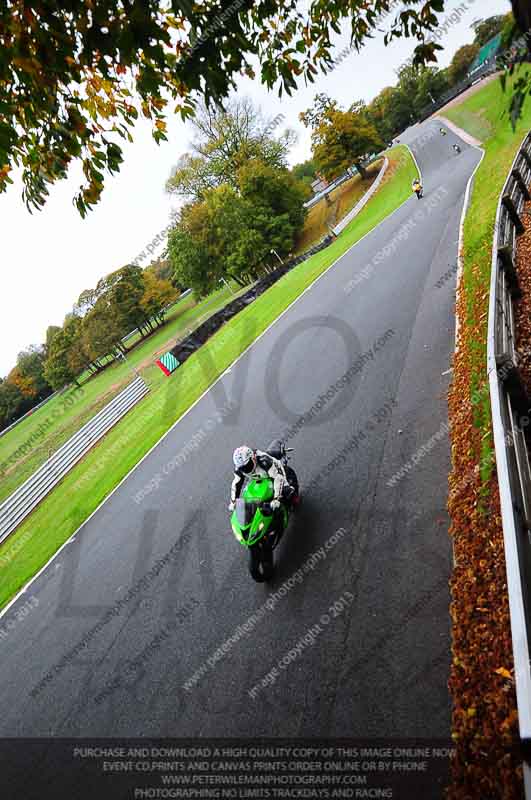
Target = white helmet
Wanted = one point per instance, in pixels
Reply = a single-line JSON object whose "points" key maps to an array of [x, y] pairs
{"points": [[243, 459]]}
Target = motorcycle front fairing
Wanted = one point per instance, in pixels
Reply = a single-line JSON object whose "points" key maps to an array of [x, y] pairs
{"points": [[245, 511], [249, 520], [249, 523]]}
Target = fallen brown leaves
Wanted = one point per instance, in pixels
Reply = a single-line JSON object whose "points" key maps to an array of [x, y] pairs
{"points": [[484, 718], [523, 306]]}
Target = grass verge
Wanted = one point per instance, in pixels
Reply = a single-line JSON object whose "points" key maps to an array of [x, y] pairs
{"points": [[63, 418], [83, 489]]}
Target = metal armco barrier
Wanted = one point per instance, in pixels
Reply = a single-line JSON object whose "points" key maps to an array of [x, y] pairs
{"points": [[347, 176], [24, 499], [511, 417]]}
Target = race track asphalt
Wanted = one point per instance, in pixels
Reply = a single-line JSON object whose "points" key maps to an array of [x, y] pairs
{"points": [[378, 666]]}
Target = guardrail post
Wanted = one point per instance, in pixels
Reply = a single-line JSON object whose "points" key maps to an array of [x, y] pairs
{"points": [[527, 158], [505, 255], [512, 380], [508, 204], [521, 183]]}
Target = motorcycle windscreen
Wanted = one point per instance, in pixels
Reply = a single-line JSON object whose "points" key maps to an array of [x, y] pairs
{"points": [[245, 512]]}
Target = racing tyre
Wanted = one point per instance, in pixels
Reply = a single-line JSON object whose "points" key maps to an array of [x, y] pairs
{"points": [[261, 564]]}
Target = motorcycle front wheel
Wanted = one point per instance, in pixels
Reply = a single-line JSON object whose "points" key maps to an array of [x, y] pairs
{"points": [[261, 564]]}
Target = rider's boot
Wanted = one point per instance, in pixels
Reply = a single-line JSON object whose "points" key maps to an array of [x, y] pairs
{"points": [[291, 493]]}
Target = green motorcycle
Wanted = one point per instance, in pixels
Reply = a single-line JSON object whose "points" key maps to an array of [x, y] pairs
{"points": [[255, 524]]}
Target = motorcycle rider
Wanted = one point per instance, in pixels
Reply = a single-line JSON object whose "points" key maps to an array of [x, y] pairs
{"points": [[456, 148], [417, 187], [249, 462]]}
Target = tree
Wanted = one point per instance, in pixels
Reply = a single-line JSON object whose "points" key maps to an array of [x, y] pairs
{"points": [[461, 62], [11, 403], [23, 383], [66, 356], [400, 109], [214, 227], [396, 107], [388, 112], [51, 330], [57, 370], [231, 232], [229, 217], [77, 358], [522, 16], [318, 111], [520, 51], [87, 300], [192, 177], [102, 331], [343, 138], [333, 129], [30, 365], [509, 31], [278, 190], [158, 294], [226, 139], [487, 29], [305, 169], [122, 291], [419, 86], [271, 214], [161, 268], [191, 262], [408, 82], [75, 77], [431, 84], [25, 386], [306, 173]]}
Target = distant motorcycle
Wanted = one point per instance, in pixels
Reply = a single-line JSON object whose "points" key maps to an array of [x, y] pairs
{"points": [[419, 190], [255, 524], [456, 148]]}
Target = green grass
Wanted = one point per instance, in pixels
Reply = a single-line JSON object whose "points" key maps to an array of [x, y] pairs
{"points": [[484, 115], [61, 513], [472, 117], [65, 419]]}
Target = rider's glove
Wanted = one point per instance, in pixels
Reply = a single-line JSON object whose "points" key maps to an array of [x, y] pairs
{"points": [[231, 506], [275, 504]]}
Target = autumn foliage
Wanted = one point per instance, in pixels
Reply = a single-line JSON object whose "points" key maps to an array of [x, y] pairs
{"points": [[484, 721], [75, 77], [24, 383], [523, 306]]}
